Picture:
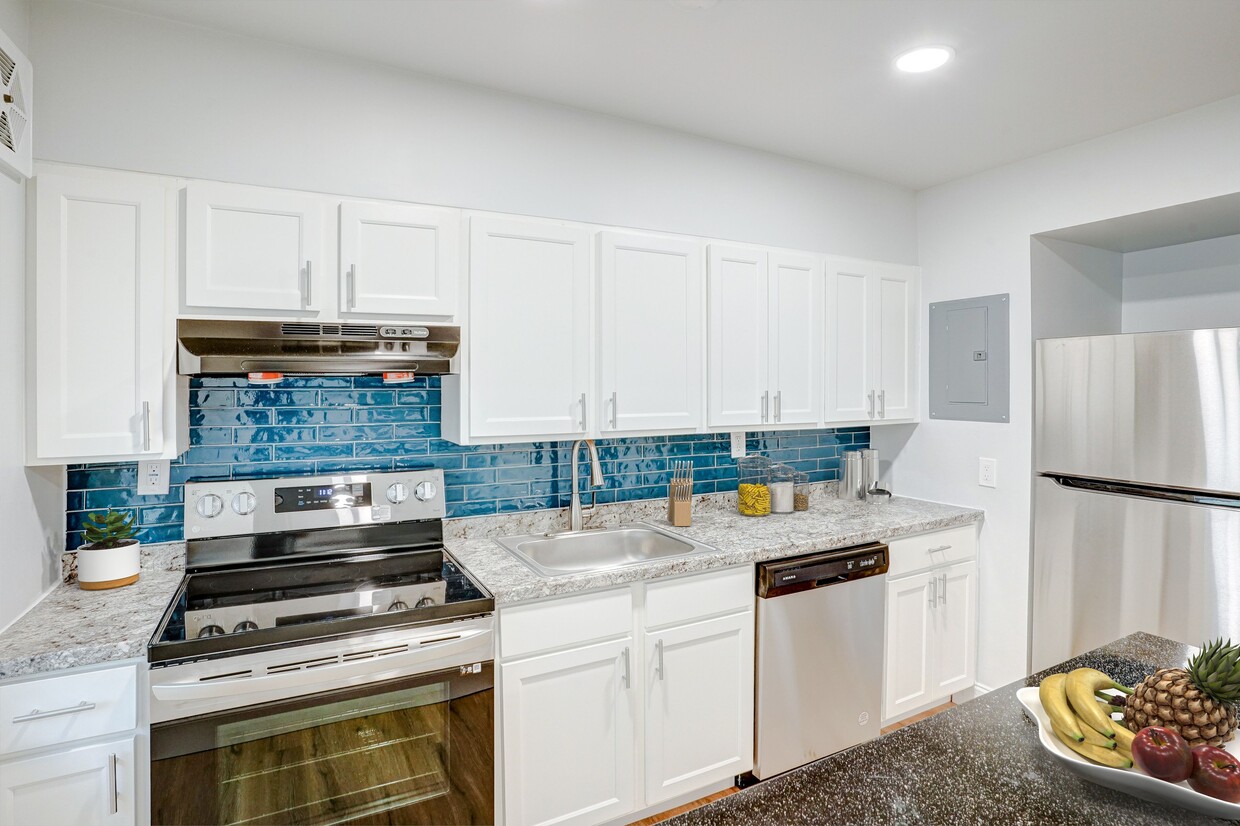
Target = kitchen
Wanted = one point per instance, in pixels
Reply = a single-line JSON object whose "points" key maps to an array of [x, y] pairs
{"points": [[202, 118]]}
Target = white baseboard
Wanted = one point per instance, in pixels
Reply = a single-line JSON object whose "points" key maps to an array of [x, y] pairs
{"points": [[973, 691]]}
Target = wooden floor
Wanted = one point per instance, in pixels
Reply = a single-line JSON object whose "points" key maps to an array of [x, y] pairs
{"points": [[679, 810]]}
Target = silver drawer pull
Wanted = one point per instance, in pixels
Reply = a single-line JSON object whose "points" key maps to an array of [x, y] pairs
{"points": [[628, 677], [658, 670], [115, 786], [940, 548], [35, 714]]}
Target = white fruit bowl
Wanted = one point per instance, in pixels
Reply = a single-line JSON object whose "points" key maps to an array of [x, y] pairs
{"points": [[1130, 781]]}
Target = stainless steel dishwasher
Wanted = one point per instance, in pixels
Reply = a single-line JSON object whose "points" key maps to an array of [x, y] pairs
{"points": [[820, 656]]}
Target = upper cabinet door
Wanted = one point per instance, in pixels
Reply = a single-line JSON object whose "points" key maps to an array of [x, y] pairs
{"points": [[795, 338], [651, 307], [398, 259], [98, 307], [530, 331], [848, 371], [253, 249], [738, 363], [896, 330]]}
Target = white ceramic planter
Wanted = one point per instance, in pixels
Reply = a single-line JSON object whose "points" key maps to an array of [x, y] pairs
{"points": [[101, 568]]}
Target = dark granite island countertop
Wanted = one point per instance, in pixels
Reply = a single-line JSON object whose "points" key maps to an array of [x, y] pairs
{"points": [[978, 763]]}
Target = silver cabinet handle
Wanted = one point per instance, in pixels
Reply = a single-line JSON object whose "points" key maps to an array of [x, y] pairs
{"points": [[351, 292], [939, 548], [779, 405], [628, 682], [871, 406], [882, 404], [766, 398], [943, 591], [35, 714], [934, 591], [115, 797], [583, 411], [309, 283], [614, 412], [658, 669], [146, 426]]}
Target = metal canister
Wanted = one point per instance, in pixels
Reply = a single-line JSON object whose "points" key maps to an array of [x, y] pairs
{"points": [[851, 476], [869, 470]]}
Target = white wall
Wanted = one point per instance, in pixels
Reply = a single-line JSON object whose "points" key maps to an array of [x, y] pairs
{"points": [[134, 92], [974, 237], [1183, 287], [33, 501], [1076, 290]]}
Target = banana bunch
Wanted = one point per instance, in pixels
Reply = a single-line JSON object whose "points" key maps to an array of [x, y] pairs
{"points": [[1082, 719]]}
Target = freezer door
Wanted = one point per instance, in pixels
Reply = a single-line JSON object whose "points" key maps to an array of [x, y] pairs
{"points": [[1157, 408], [1105, 566]]}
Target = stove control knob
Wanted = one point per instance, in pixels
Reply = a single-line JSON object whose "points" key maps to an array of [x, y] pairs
{"points": [[243, 503], [425, 602], [397, 492], [209, 507], [398, 606], [245, 625], [425, 491], [211, 630]]}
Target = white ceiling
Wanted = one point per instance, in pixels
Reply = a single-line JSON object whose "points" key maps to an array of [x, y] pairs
{"points": [[810, 79]]}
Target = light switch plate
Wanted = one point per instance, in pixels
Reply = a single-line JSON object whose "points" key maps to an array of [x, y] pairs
{"points": [[738, 445], [987, 473], [152, 477]]}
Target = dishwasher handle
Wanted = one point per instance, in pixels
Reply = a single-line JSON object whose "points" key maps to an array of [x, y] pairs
{"points": [[782, 577]]}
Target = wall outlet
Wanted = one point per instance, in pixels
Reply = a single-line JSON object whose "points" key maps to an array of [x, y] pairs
{"points": [[987, 473], [738, 445], [153, 477]]}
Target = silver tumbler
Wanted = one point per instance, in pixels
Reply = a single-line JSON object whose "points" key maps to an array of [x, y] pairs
{"points": [[851, 476], [869, 470]]}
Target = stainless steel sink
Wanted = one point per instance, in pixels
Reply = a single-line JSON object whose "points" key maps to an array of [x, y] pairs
{"points": [[579, 552]]}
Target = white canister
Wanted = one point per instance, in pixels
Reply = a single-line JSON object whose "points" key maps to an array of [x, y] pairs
{"points": [[101, 568]]}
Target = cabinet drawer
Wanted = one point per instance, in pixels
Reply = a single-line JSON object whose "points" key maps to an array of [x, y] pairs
{"points": [[69, 707], [917, 553], [673, 601], [542, 626]]}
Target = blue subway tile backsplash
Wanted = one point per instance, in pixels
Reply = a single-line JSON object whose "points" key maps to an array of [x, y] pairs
{"points": [[337, 424]]}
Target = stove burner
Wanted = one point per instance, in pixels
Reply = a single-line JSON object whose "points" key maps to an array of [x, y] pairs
{"points": [[210, 631], [245, 625]]}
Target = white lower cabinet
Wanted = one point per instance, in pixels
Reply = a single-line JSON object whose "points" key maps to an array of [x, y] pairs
{"points": [[931, 650], [84, 786], [624, 714]]}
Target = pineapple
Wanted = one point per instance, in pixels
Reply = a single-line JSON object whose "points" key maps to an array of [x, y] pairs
{"points": [[1198, 701]]}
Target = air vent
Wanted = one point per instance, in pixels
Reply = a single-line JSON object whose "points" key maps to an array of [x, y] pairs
{"points": [[232, 675], [329, 330], [7, 66], [359, 330], [301, 329], [15, 108], [6, 134]]}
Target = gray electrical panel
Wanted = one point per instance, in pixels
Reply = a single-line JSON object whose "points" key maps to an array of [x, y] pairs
{"points": [[969, 369]]}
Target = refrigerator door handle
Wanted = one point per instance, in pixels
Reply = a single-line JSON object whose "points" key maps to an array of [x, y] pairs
{"points": [[1204, 498]]}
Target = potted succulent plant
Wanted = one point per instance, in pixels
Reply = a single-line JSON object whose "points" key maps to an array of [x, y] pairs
{"points": [[110, 557]]}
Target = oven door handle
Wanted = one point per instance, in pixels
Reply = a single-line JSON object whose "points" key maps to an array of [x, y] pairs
{"points": [[418, 653]]}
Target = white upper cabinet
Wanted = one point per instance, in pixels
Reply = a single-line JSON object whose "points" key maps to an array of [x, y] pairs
{"points": [[104, 383], [872, 335], [530, 332], [738, 388], [248, 248], [795, 295], [398, 259], [651, 307]]}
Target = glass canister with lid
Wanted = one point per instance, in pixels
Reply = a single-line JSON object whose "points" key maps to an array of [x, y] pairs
{"points": [[782, 480], [753, 491], [800, 493]]}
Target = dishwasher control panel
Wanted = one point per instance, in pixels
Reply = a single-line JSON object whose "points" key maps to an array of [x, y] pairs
{"points": [[819, 570]]}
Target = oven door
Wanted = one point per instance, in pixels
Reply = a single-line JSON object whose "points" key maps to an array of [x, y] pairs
{"points": [[414, 749]]}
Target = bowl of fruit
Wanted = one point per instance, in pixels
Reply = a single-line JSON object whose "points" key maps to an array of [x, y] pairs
{"points": [[1171, 739]]}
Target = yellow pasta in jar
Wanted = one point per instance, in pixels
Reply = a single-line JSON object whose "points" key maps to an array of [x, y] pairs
{"points": [[753, 500]]}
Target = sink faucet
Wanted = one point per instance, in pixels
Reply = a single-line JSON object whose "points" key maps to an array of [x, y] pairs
{"points": [[596, 480]]}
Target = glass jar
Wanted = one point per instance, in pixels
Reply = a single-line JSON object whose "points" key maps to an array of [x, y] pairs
{"points": [[753, 492], [800, 493], [781, 484]]}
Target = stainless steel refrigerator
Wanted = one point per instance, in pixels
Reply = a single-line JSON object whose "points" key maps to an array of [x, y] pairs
{"points": [[1137, 490]]}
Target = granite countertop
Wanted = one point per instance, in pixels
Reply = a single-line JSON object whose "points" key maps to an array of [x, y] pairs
{"points": [[737, 540], [71, 627], [980, 762]]}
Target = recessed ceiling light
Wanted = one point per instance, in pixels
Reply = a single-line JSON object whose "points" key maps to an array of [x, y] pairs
{"points": [[924, 59]]}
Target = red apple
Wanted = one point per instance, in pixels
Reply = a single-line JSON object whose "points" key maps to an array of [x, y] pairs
{"points": [[1215, 772], [1162, 753]]}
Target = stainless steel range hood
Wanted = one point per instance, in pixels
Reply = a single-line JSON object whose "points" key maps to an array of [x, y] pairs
{"points": [[219, 347]]}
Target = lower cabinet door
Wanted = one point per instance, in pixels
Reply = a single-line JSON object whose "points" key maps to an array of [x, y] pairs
{"points": [[83, 786], [699, 704], [568, 735], [911, 604], [955, 626]]}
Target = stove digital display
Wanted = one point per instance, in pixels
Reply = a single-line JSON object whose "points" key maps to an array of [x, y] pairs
{"points": [[322, 497]]}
